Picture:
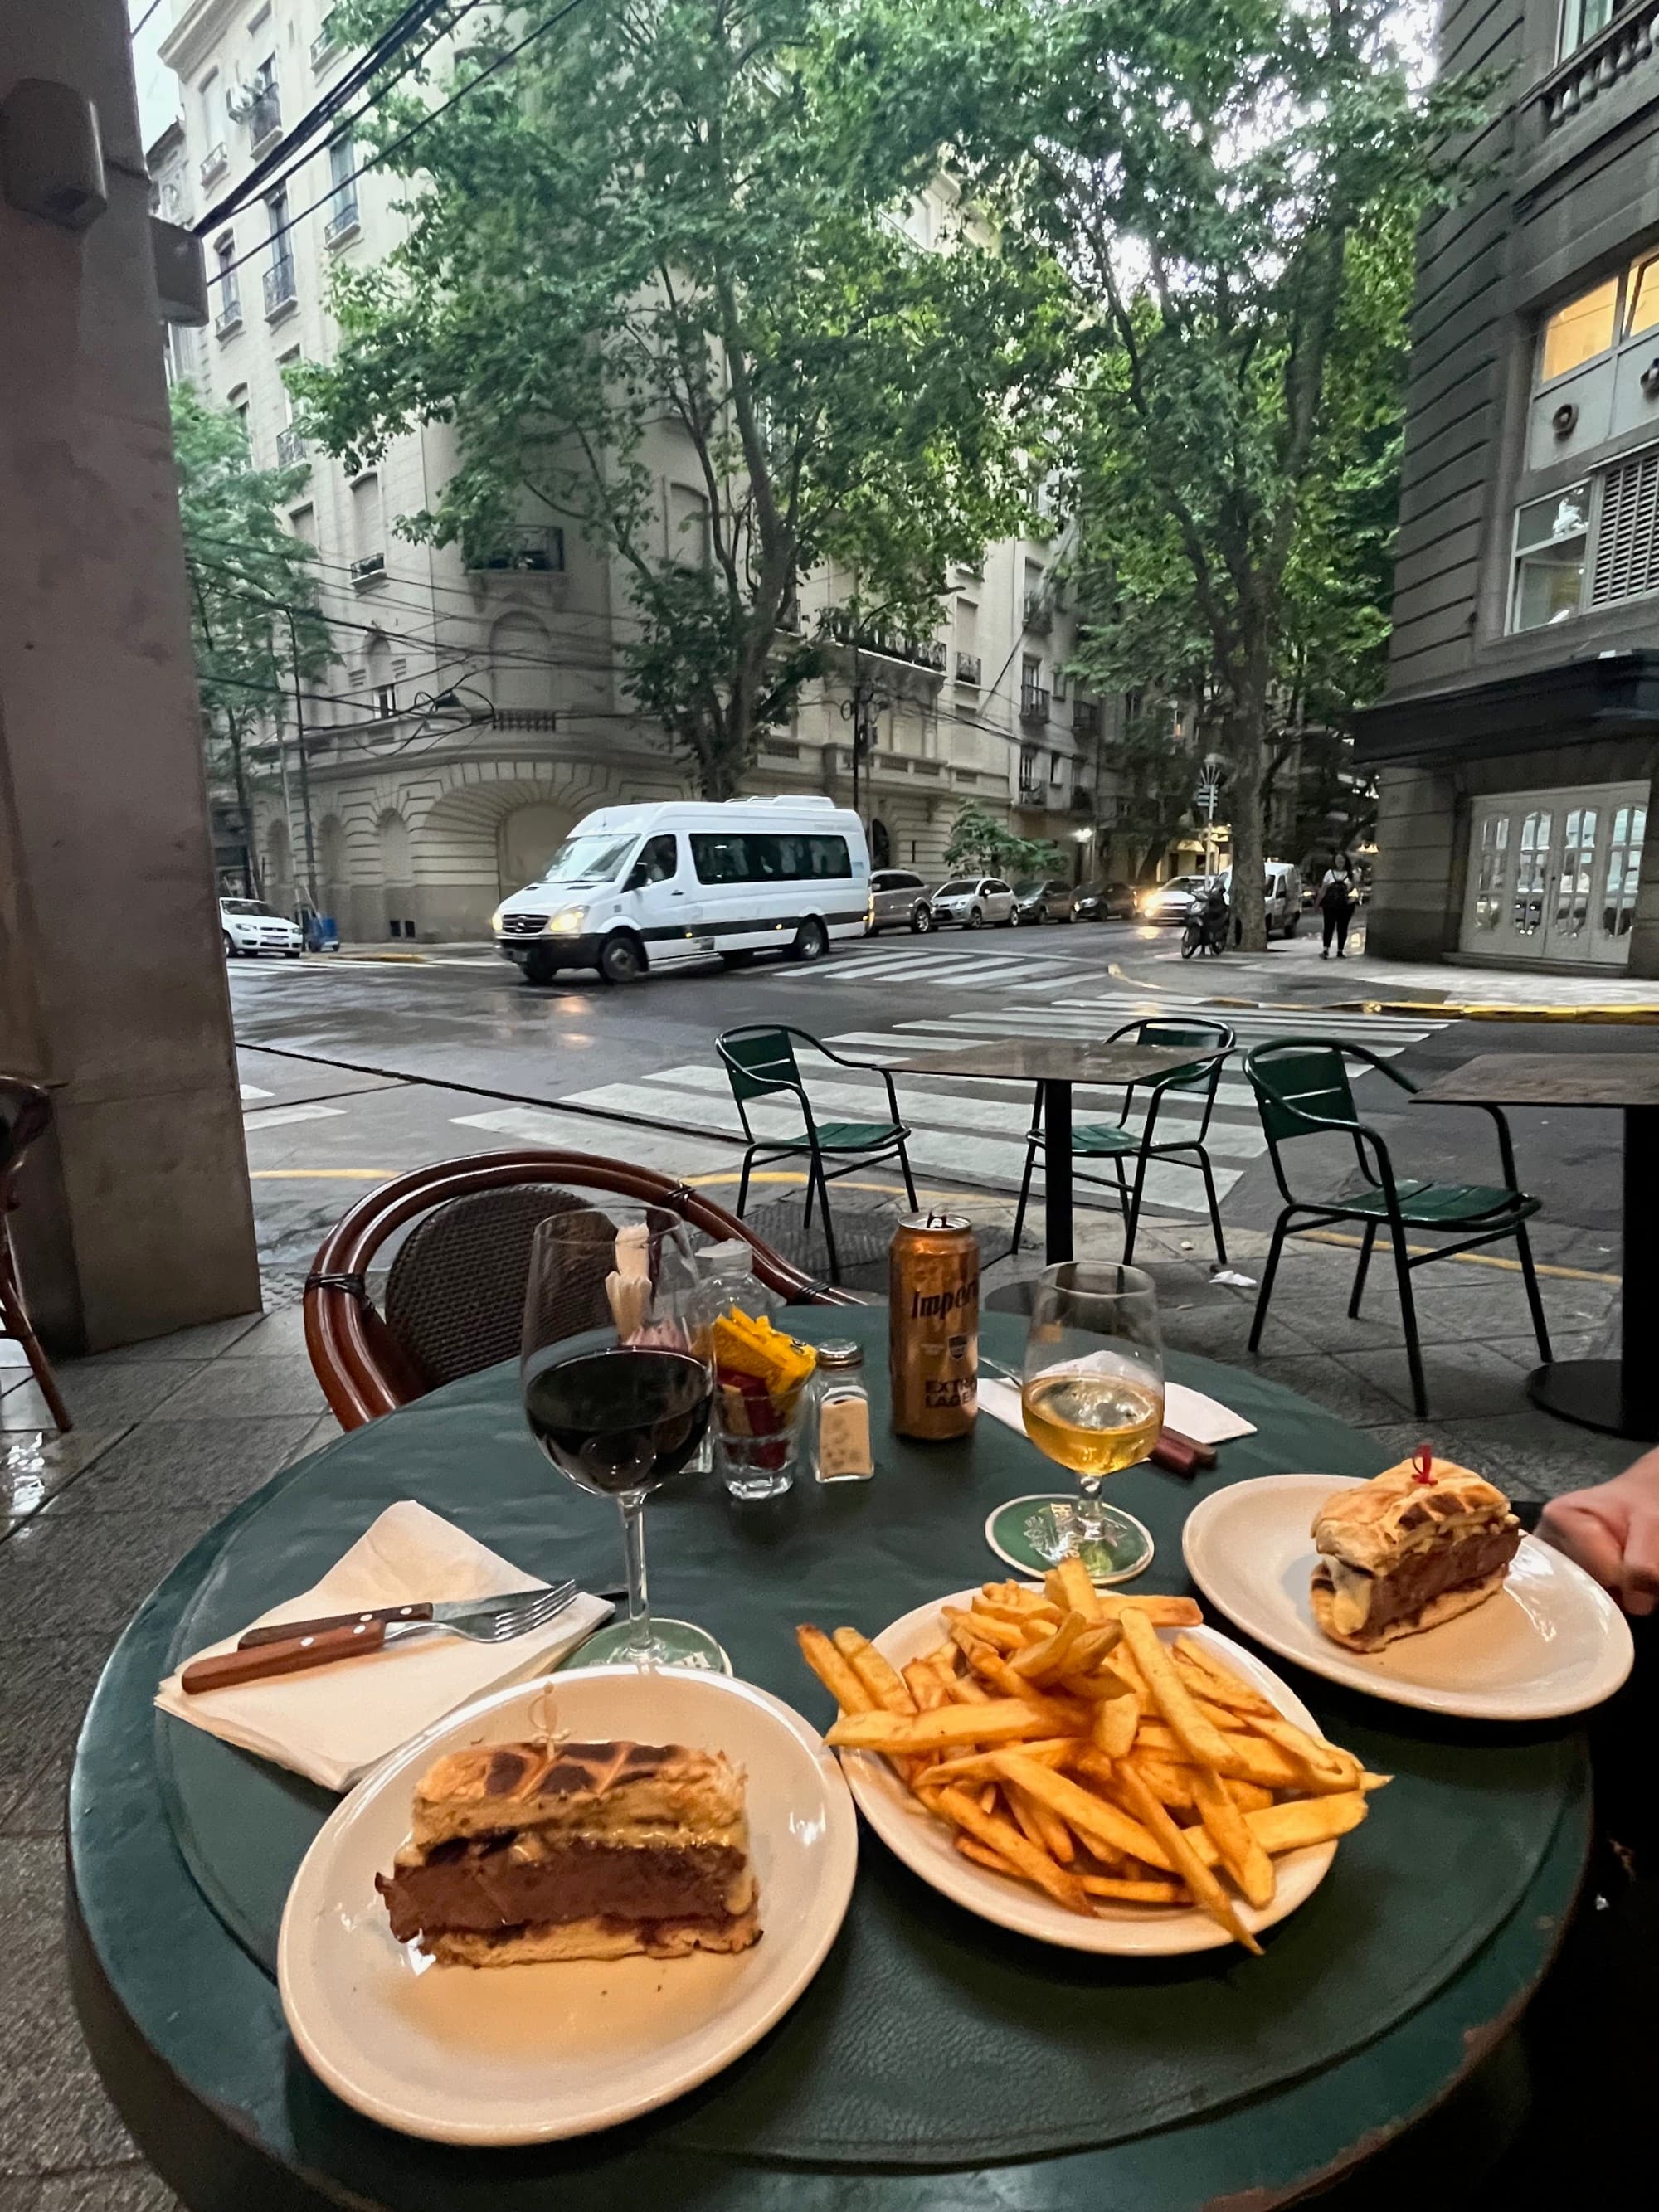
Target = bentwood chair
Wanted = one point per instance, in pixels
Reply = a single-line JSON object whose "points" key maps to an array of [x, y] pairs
{"points": [[1302, 1090], [25, 1115], [453, 1295], [1183, 1090], [760, 1062]]}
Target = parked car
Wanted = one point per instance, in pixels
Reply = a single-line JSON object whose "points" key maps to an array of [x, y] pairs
{"points": [[1282, 891], [898, 900], [973, 900], [1103, 902], [1043, 898], [1173, 901], [248, 925]]}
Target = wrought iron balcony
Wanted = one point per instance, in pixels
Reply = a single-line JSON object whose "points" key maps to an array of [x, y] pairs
{"points": [[1039, 614], [281, 290], [1625, 44], [1034, 702], [531, 546], [229, 319], [345, 221], [265, 120], [1085, 718], [290, 449], [968, 669], [326, 44], [368, 568], [215, 162]]}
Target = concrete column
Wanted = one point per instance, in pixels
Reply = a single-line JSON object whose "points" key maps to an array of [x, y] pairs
{"points": [[1645, 932], [1412, 913], [136, 1219]]}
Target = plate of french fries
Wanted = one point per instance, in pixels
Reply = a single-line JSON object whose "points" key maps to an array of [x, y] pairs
{"points": [[1100, 1771]]}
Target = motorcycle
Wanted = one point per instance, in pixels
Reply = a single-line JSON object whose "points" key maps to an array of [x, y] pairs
{"points": [[1205, 932]]}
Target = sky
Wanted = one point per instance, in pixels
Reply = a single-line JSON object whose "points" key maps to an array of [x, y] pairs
{"points": [[158, 88]]}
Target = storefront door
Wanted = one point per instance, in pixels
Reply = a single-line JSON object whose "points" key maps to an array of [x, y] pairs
{"points": [[1552, 875]]}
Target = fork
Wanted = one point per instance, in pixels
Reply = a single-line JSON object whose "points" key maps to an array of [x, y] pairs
{"points": [[299, 1644]]}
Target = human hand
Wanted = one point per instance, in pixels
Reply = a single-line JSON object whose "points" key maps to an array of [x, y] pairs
{"points": [[1613, 1532]]}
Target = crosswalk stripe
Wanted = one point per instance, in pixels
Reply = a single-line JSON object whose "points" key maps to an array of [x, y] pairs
{"points": [[542, 1125], [277, 1117]]}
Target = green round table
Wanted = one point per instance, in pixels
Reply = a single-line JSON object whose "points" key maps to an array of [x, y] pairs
{"points": [[935, 2060]]}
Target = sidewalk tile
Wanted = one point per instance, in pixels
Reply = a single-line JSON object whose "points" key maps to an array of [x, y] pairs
{"points": [[236, 1388], [169, 1466]]}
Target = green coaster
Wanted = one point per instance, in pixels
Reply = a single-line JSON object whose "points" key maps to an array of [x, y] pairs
{"points": [[677, 1642], [1034, 1534]]}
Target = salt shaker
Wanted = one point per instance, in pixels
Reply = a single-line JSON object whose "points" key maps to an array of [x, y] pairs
{"points": [[843, 1414]]}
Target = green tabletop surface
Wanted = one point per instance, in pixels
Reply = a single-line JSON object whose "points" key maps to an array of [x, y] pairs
{"points": [[930, 2042]]}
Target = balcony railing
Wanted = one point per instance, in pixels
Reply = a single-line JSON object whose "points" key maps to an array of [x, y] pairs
{"points": [[264, 120], [1085, 718], [1034, 702], [534, 547], [290, 449], [928, 653], [326, 44], [1625, 44], [343, 223], [229, 319], [215, 162], [968, 669], [1039, 614], [368, 568], [281, 289]]}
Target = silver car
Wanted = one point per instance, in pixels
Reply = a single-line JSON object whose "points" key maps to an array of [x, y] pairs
{"points": [[1043, 898], [898, 900], [973, 900]]}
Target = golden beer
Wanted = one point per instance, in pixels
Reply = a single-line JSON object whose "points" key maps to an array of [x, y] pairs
{"points": [[934, 1325]]}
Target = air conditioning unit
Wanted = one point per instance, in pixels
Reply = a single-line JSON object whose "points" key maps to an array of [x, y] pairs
{"points": [[240, 97]]}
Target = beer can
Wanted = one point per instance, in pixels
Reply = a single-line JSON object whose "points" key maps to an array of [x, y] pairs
{"points": [[934, 1325]]}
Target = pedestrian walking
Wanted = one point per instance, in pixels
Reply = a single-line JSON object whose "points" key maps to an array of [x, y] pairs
{"points": [[1336, 906]]}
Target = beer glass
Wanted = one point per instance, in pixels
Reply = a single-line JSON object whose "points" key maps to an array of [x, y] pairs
{"points": [[1091, 1388]]}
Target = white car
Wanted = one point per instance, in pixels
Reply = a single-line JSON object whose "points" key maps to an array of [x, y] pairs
{"points": [[249, 926], [973, 900], [1173, 901]]}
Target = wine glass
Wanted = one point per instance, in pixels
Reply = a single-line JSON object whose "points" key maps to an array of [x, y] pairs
{"points": [[618, 1382], [1091, 1392]]}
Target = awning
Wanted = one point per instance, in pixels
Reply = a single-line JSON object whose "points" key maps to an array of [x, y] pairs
{"points": [[1608, 696]]}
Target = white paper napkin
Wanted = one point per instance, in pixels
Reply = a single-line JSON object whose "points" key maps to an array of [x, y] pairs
{"points": [[334, 1723], [1190, 1413]]}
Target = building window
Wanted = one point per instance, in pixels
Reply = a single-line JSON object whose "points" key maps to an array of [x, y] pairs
{"points": [[280, 288], [1531, 869], [342, 206], [1582, 19], [1491, 868], [1578, 331], [1551, 537], [367, 529], [265, 115], [1028, 770], [688, 526], [303, 522], [1630, 828], [1643, 312], [1053, 768], [230, 302]]}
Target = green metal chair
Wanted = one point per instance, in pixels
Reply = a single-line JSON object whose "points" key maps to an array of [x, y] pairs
{"points": [[760, 1062], [1117, 1142], [1302, 1090]]}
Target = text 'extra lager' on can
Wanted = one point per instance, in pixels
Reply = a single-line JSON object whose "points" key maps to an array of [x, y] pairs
{"points": [[934, 1325]]}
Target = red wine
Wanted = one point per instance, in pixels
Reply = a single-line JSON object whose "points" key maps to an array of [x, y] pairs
{"points": [[623, 1419]]}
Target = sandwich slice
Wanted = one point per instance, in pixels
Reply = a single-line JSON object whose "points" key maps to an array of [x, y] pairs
{"points": [[1424, 1542], [542, 1851]]}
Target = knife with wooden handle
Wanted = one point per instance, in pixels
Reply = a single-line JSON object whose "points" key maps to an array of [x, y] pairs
{"points": [[290, 1655]]}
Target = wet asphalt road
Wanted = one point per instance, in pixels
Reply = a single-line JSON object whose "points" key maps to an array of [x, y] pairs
{"points": [[356, 1070]]}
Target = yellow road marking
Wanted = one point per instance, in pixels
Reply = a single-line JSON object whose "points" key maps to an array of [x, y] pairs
{"points": [[1475, 1259]]}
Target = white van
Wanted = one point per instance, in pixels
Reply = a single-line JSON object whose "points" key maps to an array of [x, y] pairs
{"points": [[659, 886], [1282, 891]]}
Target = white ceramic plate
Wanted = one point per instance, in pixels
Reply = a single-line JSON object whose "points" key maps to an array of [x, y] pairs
{"points": [[1551, 1642], [925, 1844], [531, 2053]]}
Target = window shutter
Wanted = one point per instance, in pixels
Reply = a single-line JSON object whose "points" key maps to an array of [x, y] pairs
{"points": [[1627, 539]]}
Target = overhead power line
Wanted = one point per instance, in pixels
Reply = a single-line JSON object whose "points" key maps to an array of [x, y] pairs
{"points": [[404, 138]]}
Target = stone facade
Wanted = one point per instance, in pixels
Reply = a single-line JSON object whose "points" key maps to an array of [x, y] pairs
{"points": [[474, 716], [1517, 744]]}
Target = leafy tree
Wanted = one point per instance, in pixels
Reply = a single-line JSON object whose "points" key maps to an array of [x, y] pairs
{"points": [[1229, 184], [980, 842], [1158, 768], [246, 574], [670, 219]]}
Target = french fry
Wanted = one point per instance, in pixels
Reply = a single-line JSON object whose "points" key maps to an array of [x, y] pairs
{"points": [[1326, 1766], [1002, 1837], [899, 1735], [1162, 1612], [983, 1856], [1217, 1681], [1038, 1661], [1113, 1728], [976, 1766], [1136, 1893], [1094, 1645], [833, 1671], [925, 1686], [1303, 1820], [1249, 1796], [1098, 1686], [968, 1691], [988, 1798], [1063, 1716], [1254, 1760], [1171, 1785], [1205, 1743], [1092, 1817], [1245, 1858], [1052, 1831], [1068, 1586], [877, 1676], [1183, 1860], [970, 1628]]}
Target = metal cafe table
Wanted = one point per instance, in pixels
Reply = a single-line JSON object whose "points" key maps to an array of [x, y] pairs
{"points": [[1620, 1395], [1055, 1063], [935, 2059]]}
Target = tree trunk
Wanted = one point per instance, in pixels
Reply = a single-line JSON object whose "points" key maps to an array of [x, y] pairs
{"points": [[245, 810], [1246, 731]]}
